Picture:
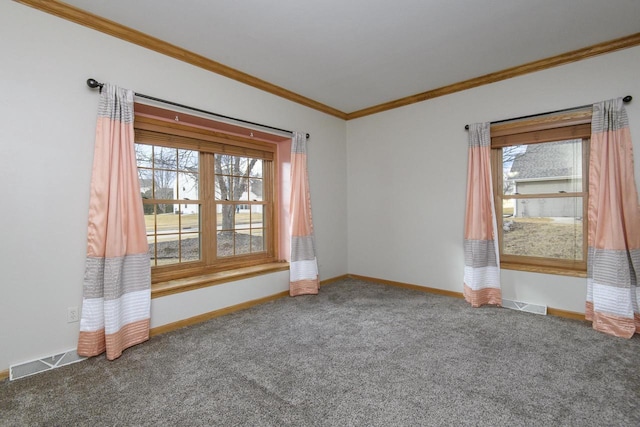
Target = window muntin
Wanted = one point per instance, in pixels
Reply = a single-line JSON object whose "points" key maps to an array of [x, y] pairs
{"points": [[169, 188], [240, 226], [541, 196], [184, 203]]}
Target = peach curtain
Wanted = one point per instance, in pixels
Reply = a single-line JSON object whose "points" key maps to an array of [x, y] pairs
{"points": [[481, 256], [117, 282], [303, 266], [613, 263]]}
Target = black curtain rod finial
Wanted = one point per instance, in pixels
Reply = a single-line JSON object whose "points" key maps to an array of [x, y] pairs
{"points": [[93, 83], [627, 98]]}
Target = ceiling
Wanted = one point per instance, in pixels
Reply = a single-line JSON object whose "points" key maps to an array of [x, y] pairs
{"points": [[355, 54]]}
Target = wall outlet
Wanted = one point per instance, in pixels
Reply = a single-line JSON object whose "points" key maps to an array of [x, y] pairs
{"points": [[73, 315]]}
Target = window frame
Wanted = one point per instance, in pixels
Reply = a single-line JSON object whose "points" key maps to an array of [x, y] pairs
{"points": [[548, 128], [207, 142]]}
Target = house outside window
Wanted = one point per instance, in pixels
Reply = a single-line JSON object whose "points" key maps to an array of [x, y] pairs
{"points": [[209, 200], [541, 193]]}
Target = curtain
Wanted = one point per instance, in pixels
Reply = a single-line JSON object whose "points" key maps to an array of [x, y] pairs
{"points": [[613, 262], [304, 266], [117, 281], [481, 256]]}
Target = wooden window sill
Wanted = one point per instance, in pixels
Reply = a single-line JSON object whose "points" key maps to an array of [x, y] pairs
{"points": [[170, 287], [543, 269]]}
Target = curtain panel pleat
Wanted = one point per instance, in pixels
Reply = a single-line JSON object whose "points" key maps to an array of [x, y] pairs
{"points": [[117, 283], [613, 262], [481, 256], [303, 266]]}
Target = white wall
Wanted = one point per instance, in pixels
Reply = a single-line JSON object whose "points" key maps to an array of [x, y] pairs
{"points": [[407, 175], [47, 116]]}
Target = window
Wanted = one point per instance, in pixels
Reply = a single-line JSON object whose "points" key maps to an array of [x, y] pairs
{"points": [[240, 226], [169, 179], [541, 192], [208, 198]]}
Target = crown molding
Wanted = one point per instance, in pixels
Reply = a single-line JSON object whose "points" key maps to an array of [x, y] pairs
{"points": [[79, 16], [95, 22], [531, 67]]}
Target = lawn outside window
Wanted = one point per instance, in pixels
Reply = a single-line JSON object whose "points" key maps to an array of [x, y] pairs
{"points": [[208, 198], [540, 170]]}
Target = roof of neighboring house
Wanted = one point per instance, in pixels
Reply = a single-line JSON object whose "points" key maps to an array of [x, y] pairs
{"points": [[548, 160]]}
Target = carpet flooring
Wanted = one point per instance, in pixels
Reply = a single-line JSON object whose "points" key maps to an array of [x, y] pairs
{"points": [[358, 354]]}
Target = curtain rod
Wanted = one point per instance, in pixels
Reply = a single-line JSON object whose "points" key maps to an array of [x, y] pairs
{"points": [[626, 100], [92, 83]]}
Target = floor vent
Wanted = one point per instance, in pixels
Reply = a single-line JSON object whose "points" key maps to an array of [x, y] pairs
{"points": [[44, 364], [524, 306]]}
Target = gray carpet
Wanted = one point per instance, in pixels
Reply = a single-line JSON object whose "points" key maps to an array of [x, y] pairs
{"points": [[358, 354]]}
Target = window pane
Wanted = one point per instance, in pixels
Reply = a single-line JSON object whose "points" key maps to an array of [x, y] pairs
{"points": [[508, 207], [256, 170], [229, 187], [188, 160], [545, 227], [167, 249], [190, 232], [145, 178], [166, 221], [224, 164], [240, 188], [242, 217], [243, 242], [149, 218], [225, 244], [550, 167], [242, 229], [257, 240], [165, 182], [225, 217], [187, 186], [256, 216], [236, 167], [152, 250], [225, 220], [255, 192], [549, 207], [224, 187], [190, 218], [165, 158], [144, 155], [164, 209], [190, 247]]}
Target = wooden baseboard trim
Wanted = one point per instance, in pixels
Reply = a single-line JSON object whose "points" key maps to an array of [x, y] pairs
{"points": [[242, 306], [565, 314], [557, 312], [227, 310], [408, 286], [333, 279], [216, 313]]}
